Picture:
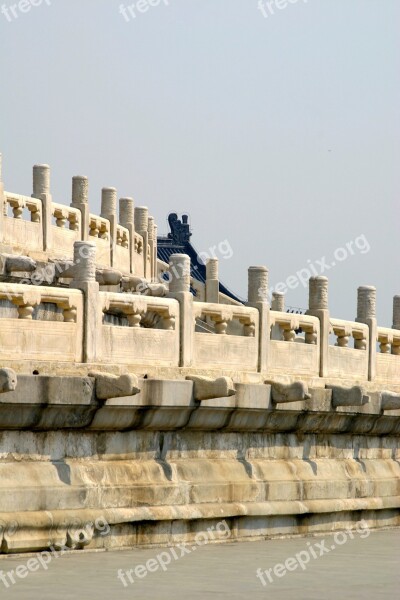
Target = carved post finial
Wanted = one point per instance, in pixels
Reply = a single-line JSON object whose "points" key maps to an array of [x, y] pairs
{"points": [[366, 313], [212, 281], [41, 180], [179, 273], [84, 261], [41, 190], [126, 211], [80, 189], [257, 284], [212, 268], [318, 293], [108, 202], [141, 219], [366, 302], [278, 301], [80, 200], [396, 312]]}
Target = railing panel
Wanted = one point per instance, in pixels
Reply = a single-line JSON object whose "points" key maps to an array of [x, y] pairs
{"points": [[235, 343], [100, 233], [122, 250], [25, 338], [66, 231], [345, 361], [388, 359], [138, 258], [293, 353], [148, 333], [19, 232]]}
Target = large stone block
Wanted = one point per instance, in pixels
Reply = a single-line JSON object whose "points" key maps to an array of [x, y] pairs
{"points": [[206, 388]]}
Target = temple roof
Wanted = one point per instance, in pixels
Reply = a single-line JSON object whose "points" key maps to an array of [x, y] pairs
{"points": [[178, 242]]}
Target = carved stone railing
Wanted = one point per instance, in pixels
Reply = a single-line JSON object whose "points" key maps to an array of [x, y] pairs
{"points": [[19, 232], [99, 232], [294, 353], [66, 230], [66, 217], [291, 323], [345, 361], [138, 256], [27, 338], [235, 341], [388, 359], [122, 249], [18, 203], [146, 329]]}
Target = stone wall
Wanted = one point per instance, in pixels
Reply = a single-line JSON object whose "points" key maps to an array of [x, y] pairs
{"points": [[160, 415], [160, 466]]}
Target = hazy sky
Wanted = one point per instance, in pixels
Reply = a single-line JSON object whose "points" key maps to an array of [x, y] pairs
{"points": [[279, 134]]}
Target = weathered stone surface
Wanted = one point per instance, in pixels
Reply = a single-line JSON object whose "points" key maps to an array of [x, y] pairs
{"points": [[42, 390], [253, 396], [19, 263], [292, 392], [206, 388], [157, 290], [342, 396], [158, 392], [390, 401], [111, 386], [8, 380], [108, 276], [160, 457], [64, 269]]}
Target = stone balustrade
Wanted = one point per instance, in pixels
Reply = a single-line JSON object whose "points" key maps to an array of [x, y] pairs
{"points": [[159, 415], [388, 358], [177, 331], [20, 232], [345, 361], [51, 229], [235, 341], [67, 229], [250, 338], [139, 330], [40, 323], [293, 353]]}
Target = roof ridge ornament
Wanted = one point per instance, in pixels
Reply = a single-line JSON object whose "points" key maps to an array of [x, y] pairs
{"points": [[180, 230]]}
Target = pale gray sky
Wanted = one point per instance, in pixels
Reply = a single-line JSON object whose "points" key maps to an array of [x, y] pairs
{"points": [[280, 134]]}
